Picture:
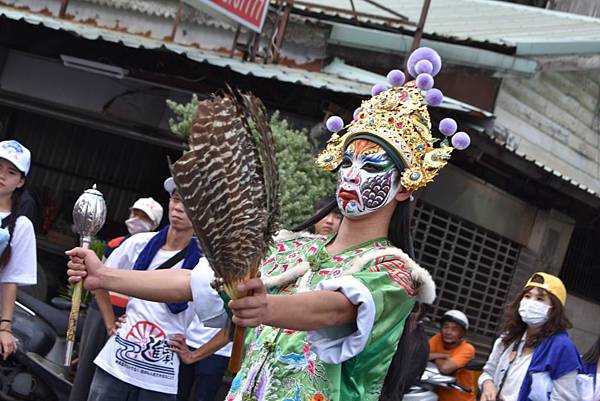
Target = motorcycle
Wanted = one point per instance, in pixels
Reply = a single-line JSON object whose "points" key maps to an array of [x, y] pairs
{"points": [[35, 372], [432, 378]]}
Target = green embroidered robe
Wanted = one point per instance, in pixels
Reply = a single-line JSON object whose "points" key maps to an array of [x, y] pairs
{"points": [[282, 365]]}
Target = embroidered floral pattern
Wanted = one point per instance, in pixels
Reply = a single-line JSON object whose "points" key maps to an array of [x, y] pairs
{"points": [[280, 365]]}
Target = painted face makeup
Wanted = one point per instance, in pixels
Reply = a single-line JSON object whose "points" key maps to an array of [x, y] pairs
{"points": [[367, 179]]}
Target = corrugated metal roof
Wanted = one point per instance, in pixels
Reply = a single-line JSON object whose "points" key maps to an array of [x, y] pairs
{"points": [[495, 22], [545, 167], [337, 77], [282, 73]]}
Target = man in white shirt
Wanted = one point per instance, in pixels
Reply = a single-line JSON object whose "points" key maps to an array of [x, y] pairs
{"points": [[137, 363]]}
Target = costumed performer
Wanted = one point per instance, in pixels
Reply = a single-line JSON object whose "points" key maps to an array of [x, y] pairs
{"points": [[331, 313]]}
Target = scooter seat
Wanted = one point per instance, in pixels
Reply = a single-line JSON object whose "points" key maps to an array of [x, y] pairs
{"points": [[58, 319]]}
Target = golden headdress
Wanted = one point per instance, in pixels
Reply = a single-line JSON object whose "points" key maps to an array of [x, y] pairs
{"points": [[397, 119]]}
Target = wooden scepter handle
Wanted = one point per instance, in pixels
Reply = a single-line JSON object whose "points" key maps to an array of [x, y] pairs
{"points": [[235, 361], [239, 334], [74, 315]]}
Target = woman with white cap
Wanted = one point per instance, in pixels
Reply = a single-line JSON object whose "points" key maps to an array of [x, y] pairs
{"points": [[18, 259], [534, 359]]}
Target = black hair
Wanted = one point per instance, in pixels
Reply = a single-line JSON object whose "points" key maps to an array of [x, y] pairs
{"points": [[399, 231], [323, 207], [593, 354], [410, 358], [326, 202], [11, 221]]}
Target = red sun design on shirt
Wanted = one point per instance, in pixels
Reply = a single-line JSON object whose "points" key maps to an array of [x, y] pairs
{"points": [[143, 330]]}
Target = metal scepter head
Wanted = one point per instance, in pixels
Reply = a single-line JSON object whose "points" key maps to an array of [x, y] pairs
{"points": [[89, 212]]}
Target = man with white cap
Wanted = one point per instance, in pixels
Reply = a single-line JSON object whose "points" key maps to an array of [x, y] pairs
{"points": [[451, 353], [137, 364], [144, 215]]}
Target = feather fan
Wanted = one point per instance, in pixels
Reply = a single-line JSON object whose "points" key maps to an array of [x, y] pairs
{"points": [[229, 183]]}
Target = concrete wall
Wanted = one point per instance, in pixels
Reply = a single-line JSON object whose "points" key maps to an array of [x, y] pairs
{"points": [[479, 202], [553, 118], [586, 322]]}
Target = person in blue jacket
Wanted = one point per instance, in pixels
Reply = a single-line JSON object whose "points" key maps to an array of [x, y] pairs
{"points": [[591, 367], [534, 359]]}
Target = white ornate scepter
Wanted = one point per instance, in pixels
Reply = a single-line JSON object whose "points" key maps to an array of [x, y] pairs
{"points": [[89, 214]]}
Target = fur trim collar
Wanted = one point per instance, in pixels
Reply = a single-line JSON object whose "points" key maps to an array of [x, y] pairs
{"points": [[425, 285], [287, 235]]}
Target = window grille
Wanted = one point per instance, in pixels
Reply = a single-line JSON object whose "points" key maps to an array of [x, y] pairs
{"points": [[472, 267]]}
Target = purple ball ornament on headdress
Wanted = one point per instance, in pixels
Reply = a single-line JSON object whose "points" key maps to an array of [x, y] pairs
{"points": [[424, 67], [424, 53], [377, 89], [448, 126], [334, 124], [434, 97], [461, 140], [396, 78], [356, 113], [424, 81]]}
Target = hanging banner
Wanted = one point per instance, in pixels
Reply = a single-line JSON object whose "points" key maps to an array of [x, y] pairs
{"points": [[249, 13]]}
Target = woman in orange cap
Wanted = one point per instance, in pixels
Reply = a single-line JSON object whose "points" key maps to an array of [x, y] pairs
{"points": [[534, 359]]}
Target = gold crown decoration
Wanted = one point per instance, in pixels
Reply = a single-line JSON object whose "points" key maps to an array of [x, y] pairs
{"points": [[397, 118]]}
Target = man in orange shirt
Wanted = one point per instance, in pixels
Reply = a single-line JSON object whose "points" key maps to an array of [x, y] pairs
{"points": [[451, 353]]}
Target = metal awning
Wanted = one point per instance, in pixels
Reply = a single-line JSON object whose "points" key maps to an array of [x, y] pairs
{"points": [[529, 31], [336, 77]]}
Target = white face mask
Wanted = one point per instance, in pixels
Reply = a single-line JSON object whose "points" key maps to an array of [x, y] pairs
{"points": [[533, 313], [135, 225], [367, 180]]}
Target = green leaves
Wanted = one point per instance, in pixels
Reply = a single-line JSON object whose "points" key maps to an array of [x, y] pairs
{"points": [[302, 182], [181, 125]]}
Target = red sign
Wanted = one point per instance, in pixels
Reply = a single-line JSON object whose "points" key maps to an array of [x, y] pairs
{"points": [[249, 13]]}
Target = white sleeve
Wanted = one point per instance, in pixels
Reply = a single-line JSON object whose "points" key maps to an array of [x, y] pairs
{"points": [[125, 255], [564, 388], [491, 365], [333, 345], [21, 269], [208, 305]]}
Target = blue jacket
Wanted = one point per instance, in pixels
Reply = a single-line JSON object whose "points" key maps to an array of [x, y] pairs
{"points": [[556, 355], [591, 369]]}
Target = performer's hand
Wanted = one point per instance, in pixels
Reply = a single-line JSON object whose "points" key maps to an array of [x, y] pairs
{"points": [[250, 311], [117, 324], [84, 265], [178, 345]]}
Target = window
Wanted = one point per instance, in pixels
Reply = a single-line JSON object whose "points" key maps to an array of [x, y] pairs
{"points": [[581, 269], [472, 267]]}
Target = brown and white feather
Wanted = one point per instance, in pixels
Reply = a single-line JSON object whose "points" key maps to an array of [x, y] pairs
{"points": [[229, 184]]}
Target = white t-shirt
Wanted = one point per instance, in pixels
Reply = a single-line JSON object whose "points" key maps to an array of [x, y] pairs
{"points": [[518, 369], [21, 269], [198, 335], [139, 353]]}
